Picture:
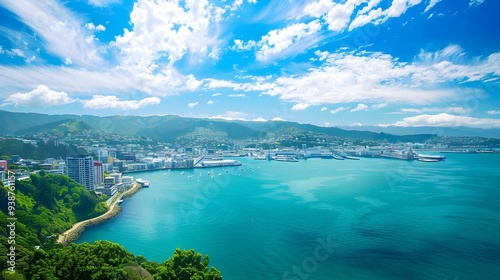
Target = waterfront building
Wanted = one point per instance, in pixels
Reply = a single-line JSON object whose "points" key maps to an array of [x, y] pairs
{"points": [[98, 173], [127, 182], [117, 176], [81, 169]]}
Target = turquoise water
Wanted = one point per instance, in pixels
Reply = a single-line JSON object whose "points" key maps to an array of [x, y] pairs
{"points": [[322, 219]]}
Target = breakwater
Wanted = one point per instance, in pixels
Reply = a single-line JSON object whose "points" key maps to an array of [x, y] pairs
{"points": [[74, 232]]}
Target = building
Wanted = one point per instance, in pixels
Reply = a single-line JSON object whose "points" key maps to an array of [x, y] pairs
{"points": [[98, 173], [81, 169], [110, 186], [3, 164]]}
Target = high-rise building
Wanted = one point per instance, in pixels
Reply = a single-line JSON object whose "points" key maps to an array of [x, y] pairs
{"points": [[81, 169], [98, 173]]}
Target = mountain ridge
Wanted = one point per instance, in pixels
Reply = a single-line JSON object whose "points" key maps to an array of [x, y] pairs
{"points": [[171, 127]]}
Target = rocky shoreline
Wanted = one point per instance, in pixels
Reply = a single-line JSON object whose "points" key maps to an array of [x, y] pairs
{"points": [[74, 233]]}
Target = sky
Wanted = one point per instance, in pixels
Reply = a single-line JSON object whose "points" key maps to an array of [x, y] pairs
{"points": [[324, 62]]}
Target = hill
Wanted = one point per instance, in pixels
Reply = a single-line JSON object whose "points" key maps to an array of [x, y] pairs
{"points": [[57, 128], [170, 128]]}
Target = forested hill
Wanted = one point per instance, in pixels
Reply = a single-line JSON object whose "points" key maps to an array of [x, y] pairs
{"points": [[47, 205]]}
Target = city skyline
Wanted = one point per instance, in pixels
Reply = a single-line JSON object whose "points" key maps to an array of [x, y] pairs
{"points": [[329, 63]]}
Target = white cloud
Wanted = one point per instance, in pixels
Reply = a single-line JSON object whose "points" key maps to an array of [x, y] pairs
{"points": [[236, 95], [192, 104], [41, 96], [327, 124], [450, 109], [357, 124], [167, 31], [360, 107], [217, 94], [300, 106], [210, 102], [91, 26], [432, 3], [102, 3], [239, 45], [278, 119], [259, 119], [379, 106], [317, 8], [231, 116], [335, 111], [61, 32], [324, 109], [378, 16], [68, 61], [292, 39], [339, 16], [347, 77], [493, 112], [109, 101], [476, 2], [446, 120]]}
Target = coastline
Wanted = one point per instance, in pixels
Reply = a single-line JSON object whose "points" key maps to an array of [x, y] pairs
{"points": [[114, 209]]}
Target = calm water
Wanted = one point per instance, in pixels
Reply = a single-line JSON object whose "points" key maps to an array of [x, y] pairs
{"points": [[322, 219]]}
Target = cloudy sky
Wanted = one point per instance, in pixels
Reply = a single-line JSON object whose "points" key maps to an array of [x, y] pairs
{"points": [[326, 62]]}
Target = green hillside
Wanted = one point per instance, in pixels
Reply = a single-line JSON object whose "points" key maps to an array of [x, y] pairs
{"points": [[57, 128]]}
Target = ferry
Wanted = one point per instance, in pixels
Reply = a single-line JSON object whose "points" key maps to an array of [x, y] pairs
{"points": [[430, 158], [287, 158], [143, 183]]}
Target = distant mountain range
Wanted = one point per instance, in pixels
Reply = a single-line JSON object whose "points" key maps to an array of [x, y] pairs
{"points": [[170, 127]]}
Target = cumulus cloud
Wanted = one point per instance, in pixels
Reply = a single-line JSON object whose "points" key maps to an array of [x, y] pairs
{"points": [[236, 95], [192, 104], [163, 32], [259, 119], [300, 107], [217, 94], [210, 102], [335, 111], [230, 116], [290, 39], [379, 16], [41, 96], [239, 45], [324, 109], [347, 77], [91, 26], [360, 107], [379, 106], [447, 120], [109, 101]]}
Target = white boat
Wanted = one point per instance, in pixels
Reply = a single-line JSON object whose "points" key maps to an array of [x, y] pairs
{"points": [[285, 158]]}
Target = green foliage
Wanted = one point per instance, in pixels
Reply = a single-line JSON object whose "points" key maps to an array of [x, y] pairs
{"points": [[45, 207], [106, 260], [42, 151], [184, 265]]}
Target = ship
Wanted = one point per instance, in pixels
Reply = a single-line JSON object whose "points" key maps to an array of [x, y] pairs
{"points": [[430, 158], [143, 183], [287, 158]]}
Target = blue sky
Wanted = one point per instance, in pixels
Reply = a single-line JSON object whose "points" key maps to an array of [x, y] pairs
{"points": [[325, 62]]}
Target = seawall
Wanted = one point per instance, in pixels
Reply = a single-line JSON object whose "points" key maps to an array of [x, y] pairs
{"points": [[74, 232]]}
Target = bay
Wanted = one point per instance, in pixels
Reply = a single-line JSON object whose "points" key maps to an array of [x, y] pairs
{"points": [[322, 219]]}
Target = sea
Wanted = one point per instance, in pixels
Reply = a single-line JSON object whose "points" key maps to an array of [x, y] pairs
{"points": [[322, 218]]}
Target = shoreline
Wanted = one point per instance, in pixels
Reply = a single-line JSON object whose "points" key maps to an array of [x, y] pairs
{"points": [[78, 228]]}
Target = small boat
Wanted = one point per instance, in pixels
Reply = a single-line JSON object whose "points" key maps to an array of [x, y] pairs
{"points": [[428, 159]]}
